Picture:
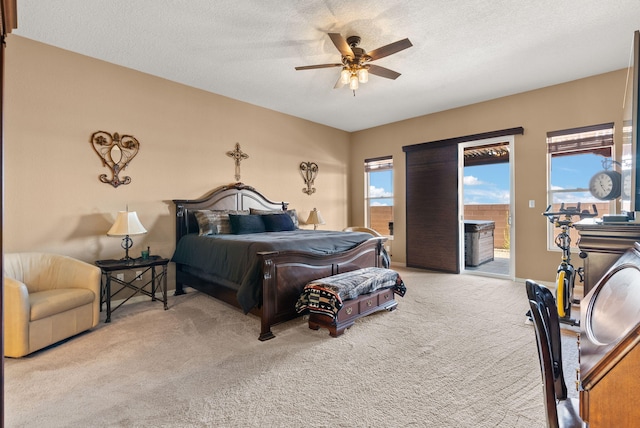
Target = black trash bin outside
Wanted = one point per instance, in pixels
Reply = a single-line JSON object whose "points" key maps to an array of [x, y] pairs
{"points": [[478, 241]]}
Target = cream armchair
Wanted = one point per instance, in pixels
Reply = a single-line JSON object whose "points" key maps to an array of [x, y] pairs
{"points": [[47, 298]]}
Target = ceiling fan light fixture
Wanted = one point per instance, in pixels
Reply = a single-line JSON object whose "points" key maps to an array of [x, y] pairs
{"points": [[363, 75], [354, 61], [353, 82], [345, 75]]}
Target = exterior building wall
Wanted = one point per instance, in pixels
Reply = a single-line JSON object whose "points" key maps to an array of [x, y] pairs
{"points": [[380, 218], [498, 213]]}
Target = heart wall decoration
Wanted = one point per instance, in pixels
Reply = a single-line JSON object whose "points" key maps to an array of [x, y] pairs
{"points": [[116, 152]]}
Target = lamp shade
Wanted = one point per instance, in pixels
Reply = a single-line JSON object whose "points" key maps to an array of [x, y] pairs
{"points": [[315, 218], [353, 82], [127, 223], [345, 74], [363, 75]]}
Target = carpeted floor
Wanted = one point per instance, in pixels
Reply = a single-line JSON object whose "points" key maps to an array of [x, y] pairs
{"points": [[456, 353]]}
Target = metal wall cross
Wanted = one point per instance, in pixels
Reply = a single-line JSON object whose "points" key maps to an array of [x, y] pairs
{"points": [[237, 155]]}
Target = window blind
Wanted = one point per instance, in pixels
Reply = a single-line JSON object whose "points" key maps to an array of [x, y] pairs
{"points": [[593, 139], [378, 164]]}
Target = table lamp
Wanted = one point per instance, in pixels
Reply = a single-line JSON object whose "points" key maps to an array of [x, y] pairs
{"points": [[127, 223], [315, 218]]}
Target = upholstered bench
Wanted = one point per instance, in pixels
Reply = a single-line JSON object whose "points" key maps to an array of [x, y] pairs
{"points": [[337, 301]]}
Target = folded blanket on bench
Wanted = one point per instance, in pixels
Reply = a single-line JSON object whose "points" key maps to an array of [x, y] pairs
{"points": [[325, 295]]}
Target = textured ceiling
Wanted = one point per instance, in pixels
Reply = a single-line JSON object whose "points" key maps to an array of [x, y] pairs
{"points": [[465, 51]]}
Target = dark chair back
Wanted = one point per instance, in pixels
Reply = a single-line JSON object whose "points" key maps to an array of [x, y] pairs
{"points": [[546, 307], [547, 327]]}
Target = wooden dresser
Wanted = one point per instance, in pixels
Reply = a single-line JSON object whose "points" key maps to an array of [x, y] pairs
{"points": [[603, 243], [610, 346]]}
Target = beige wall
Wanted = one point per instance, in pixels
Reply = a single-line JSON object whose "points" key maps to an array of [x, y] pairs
{"points": [[56, 99], [588, 101]]}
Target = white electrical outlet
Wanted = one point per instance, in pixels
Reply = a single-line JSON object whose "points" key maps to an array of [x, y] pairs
{"points": [[532, 203], [120, 276], [138, 275]]}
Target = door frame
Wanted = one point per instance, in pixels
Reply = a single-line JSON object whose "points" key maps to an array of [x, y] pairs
{"points": [[510, 139]]}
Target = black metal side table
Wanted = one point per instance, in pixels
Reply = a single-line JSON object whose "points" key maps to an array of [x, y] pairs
{"points": [[110, 267]]}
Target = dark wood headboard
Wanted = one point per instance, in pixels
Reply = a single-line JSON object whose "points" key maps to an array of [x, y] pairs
{"points": [[236, 196]]}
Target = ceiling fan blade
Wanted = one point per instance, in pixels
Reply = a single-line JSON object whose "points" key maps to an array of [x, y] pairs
{"points": [[383, 72], [311, 67], [341, 44], [389, 49]]}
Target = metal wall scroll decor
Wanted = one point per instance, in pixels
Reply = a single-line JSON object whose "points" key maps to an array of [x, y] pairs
{"points": [[237, 155], [309, 172], [116, 152]]}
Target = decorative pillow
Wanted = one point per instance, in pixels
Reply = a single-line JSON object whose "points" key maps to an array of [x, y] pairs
{"points": [[243, 224], [278, 222], [294, 217], [291, 213], [260, 212], [215, 222]]}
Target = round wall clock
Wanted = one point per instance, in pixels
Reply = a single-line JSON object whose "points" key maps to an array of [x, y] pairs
{"points": [[606, 185]]}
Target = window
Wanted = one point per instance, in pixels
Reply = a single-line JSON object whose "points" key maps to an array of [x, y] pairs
{"points": [[379, 194], [574, 156]]}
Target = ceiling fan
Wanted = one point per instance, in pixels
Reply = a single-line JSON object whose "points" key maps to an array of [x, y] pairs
{"points": [[356, 61]]}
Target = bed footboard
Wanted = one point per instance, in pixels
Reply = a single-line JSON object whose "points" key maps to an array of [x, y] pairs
{"points": [[284, 275]]}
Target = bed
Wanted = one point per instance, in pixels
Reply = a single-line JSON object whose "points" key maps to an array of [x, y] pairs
{"points": [[275, 265]]}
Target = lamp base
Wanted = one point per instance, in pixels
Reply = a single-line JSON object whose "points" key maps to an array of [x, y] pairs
{"points": [[127, 242]]}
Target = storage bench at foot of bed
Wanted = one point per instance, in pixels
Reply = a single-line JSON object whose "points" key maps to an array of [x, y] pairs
{"points": [[336, 302], [353, 309]]}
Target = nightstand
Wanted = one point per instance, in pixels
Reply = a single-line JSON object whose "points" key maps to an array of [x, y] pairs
{"points": [[155, 264]]}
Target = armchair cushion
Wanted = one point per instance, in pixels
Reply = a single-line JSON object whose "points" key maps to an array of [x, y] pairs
{"points": [[51, 302]]}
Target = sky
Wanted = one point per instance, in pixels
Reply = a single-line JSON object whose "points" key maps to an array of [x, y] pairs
{"points": [[482, 185], [486, 184], [489, 184], [381, 184]]}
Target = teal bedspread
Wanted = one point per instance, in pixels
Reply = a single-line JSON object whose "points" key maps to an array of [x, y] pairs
{"points": [[234, 257]]}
